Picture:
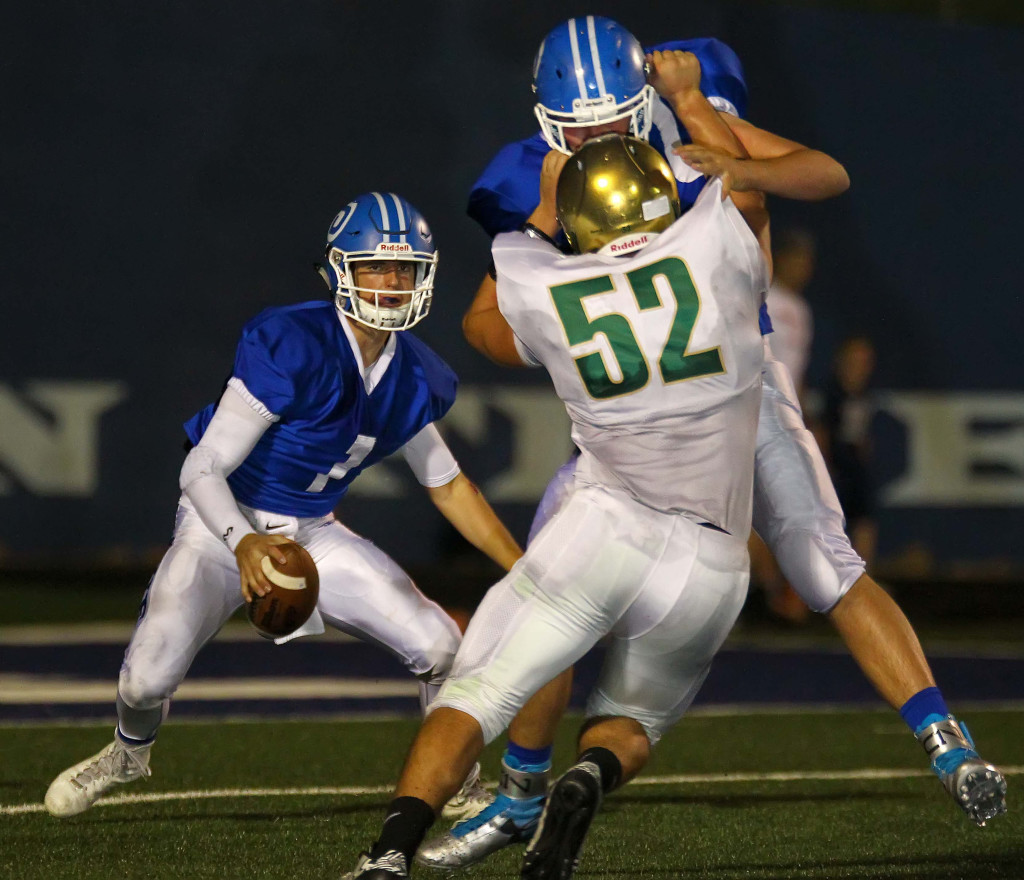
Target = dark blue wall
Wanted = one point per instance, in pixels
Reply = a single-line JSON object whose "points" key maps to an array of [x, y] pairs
{"points": [[168, 170]]}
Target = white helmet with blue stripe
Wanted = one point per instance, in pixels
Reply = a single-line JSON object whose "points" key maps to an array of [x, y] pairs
{"points": [[371, 228], [591, 71]]}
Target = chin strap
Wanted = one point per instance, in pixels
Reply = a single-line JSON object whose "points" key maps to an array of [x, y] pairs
{"points": [[322, 272]]}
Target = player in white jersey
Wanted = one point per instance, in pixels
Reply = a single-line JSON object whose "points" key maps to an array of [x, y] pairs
{"points": [[612, 308], [591, 77], [651, 339], [319, 392]]}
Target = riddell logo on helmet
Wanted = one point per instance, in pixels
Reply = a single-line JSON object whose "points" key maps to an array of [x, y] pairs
{"points": [[630, 244], [398, 248]]}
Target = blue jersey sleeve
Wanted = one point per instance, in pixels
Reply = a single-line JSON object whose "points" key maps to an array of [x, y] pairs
{"points": [[508, 190], [721, 74], [271, 358], [439, 379]]}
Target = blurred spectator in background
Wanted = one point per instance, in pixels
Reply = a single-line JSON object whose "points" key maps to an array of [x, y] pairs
{"points": [[793, 254], [846, 428]]}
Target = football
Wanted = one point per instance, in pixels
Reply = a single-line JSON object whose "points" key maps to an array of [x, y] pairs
{"points": [[296, 588]]}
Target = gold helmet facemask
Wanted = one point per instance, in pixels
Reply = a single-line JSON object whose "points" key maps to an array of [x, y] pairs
{"points": [[615, 195]]}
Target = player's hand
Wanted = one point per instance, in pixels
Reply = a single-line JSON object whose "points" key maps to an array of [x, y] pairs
{"points": [[249, 553], [715, 163], [554, 162], [674, 73]]}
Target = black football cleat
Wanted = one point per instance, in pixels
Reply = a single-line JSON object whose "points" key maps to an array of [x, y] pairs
{"points": [[554, 851]]}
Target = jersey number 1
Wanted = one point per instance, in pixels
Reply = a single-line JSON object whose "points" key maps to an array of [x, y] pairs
{"points": [[356, 453], [675, 363]]}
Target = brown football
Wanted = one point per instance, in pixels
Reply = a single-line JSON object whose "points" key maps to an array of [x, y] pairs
{"points": [[296, 588]]}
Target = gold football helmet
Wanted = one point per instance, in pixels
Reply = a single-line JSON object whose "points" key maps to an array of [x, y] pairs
{"points": [[615, 194]]}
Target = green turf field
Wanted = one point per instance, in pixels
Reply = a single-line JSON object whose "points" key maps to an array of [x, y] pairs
{"points": [[299, 799]]}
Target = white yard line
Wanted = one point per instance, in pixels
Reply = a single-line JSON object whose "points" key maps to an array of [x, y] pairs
{"points": [[119, 632], [357, 716], [23, 689], [355, 791]]}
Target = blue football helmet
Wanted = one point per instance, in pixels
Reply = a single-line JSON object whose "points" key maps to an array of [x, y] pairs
{"points": [[591, 71], [374, 227]]}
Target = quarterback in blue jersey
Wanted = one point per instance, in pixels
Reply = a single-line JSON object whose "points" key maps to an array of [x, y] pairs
{"points": [[319, 392], [591, 76]]}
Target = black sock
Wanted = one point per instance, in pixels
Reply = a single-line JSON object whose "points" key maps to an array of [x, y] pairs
{"points": [[406, 825], [608, 764]]}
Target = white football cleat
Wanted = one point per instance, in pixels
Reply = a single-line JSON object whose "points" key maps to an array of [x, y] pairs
{"points": [[469, 800], [390, 865], [78, 787]]}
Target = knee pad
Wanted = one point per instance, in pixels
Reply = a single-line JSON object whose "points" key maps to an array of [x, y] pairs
{"points": [[492, 709], [600, 705], [143, 690], [439, 659], [796, 510], [820, 569]]}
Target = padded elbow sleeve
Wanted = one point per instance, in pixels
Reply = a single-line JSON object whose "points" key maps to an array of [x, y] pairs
{"points": [[200, 462]]}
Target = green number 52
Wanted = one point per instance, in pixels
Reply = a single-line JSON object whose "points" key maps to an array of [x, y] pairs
{"points": [[675, 362]]}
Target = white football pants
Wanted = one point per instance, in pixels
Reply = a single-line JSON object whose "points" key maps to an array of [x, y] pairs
{"points": [[196, 589], [665, 588], [796, 510]]}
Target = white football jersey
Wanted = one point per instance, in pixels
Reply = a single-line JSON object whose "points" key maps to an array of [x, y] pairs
{"points": [[656, 354]]}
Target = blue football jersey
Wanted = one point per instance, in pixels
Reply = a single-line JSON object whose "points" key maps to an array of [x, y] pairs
{"points": [[721, 74], [298, 362], [508, 190]]}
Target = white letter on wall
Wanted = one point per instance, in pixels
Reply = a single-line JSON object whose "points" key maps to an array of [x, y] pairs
{"points": [[57, 455], [963, 450]]}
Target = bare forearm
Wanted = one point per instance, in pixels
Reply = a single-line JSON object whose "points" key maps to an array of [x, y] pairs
{"points": [[486, 329], [482, 329], [807, 175], [545, 219], [465, 508], [704, 124], [545, 215], [784, 167]]}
